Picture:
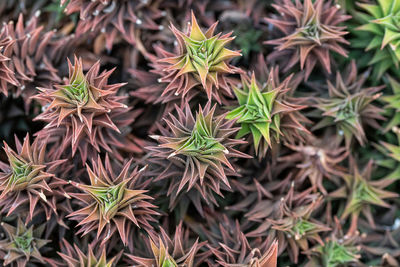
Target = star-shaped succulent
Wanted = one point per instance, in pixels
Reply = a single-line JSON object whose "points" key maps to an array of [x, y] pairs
{"points": [[86, 114], [111, 203], [310, 33], [316, 160], [202, 58], [264, 112], [380, 21], [297, 228], [22, 244], [349, 106], [167, 252], [362, 193], [74, 256], [27, 183], [198, 149]]}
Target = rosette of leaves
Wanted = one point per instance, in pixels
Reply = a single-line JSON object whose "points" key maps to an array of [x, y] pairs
{"points": [[310, 33], [112, 20], [193, 153], [22, 245], [380, 21], [229, 246], [316, 160], [297, 228], [31, 58], [86, 114], [28, 184], [350, 106], [362, 193], [201, 59], [266, 113], [334, 253], [337, 250], [169, 252], [73, 256], [112, 203]]}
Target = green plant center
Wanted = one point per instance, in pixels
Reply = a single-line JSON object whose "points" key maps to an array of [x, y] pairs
{"points": [[336, 254], [77, 91], [24, 242], [20, 171], [302, 227], [312, 31], [109, 198], [345, 112], [202, 52]]}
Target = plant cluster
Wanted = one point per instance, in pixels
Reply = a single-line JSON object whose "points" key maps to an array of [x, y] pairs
{"points": [[233, 133]]}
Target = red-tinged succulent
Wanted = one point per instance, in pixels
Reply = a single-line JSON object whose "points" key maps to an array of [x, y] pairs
{"points": [[193, 153], [201, 60], [310, 32], [169, 252], [6, 74], [229, 245], [337, 250], [361, 193], [111, 204], [349, 106], [73, 256], [266, 113], [27, 183], [22, 245], [86, 114], [317, 160], [112, 20], [296, 228], [30, 58]]}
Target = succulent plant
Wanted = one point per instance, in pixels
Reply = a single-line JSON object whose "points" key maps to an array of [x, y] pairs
{"points": [[112, 20], [310, 32], [379, 21], [86, 114], [73, 256], [338, 250], [169, 252], [31, 55], [349, 106], [265, 112], [22, 245], [296, 229], [194, 152], [27, 183], [202, 59], [361, 193], [112, 203], [316, 160], [231, 247]]}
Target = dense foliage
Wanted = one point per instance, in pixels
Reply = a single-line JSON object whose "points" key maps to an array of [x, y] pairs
{"points": [[234, 133]]}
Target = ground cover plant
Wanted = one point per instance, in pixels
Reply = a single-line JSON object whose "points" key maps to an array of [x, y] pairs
{"points": [[234, 133]]}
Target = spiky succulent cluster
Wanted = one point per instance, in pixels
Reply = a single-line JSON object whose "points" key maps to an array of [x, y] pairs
{"points": [[361, 193], [380, 20], [74, 256], [194, 152], [22, 245], [317, 160], [27, 183], [86, 114], [310, 32], [349, 106], [265, 113], [112, 20], [171, 252], [202, 58], [167, 147], [112, 203]]}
